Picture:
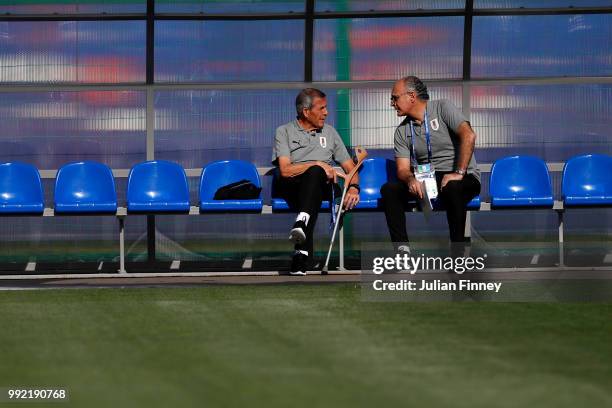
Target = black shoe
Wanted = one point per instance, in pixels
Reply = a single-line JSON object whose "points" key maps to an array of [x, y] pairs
{"points": [[460, 249], [298, 264], [298, 234]]}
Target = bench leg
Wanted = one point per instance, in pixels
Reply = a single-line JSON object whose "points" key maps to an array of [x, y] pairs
{"points": [[560, 214], [122, 245], [468, 225]]}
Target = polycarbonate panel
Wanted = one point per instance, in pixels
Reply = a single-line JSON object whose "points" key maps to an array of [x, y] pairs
{"points": [[388, 48], [71, 51], [229, 6], [72, 7], [224, 51], [50, 240], [49, 129], [387, 5], [532, 46], [540, 3], [196, 127], [554, 122], [367, 118]]}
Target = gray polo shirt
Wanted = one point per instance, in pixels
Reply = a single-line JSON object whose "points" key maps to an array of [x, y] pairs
{"points": [[444, 120], [305, 146]]}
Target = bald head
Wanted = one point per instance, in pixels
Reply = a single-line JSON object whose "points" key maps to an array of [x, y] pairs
{"points": [[409, 97], [412, 83]]}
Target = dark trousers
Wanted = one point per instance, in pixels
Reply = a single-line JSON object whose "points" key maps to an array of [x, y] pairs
{"points": [[304, 193], [454, 197]]}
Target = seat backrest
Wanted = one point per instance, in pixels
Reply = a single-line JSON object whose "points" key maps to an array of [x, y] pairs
{"points": [[374, 173], [588, 175], [20, 188], [85, 182], [221, 173], [519, 177], [157, 181]]}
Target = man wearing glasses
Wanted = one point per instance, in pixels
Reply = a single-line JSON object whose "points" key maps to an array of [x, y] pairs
{"points": [[305, 150], [434, 153]]}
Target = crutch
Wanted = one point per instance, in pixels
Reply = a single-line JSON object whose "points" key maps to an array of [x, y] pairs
{"points": [[361, 154]]}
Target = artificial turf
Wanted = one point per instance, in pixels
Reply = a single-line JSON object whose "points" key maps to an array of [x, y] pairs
{"points": [[301, 345]]}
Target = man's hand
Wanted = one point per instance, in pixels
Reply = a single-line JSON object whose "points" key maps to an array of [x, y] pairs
{"points": [[351, 198], [450, 177], [405, 174], [414, 187], [329, 171]]}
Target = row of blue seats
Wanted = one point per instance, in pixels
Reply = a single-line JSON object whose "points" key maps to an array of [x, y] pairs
{"points": [[153, 186], [161, 186], [515, 182]]}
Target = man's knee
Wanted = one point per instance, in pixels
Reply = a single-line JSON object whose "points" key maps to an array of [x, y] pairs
{"points": [[316, 172], [452, 192], [453, 188]]}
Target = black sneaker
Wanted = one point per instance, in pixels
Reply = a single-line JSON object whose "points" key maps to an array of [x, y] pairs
{"points": [[298, 264], [298, 232]]}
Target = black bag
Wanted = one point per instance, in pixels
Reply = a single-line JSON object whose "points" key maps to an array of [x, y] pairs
{"points": [[240, 190]]}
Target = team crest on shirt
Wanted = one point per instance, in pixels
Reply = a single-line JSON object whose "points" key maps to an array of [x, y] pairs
{"points": [[434, 124], [323, 141]]}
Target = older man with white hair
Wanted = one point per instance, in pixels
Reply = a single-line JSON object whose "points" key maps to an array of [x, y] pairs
{"points": [[305, 150]]}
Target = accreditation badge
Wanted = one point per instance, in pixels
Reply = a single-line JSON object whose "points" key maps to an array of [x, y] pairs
{"points": [[323, 141], [425, 174]]}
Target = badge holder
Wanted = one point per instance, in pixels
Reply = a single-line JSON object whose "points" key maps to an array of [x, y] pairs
{"points": [[426, 175]]}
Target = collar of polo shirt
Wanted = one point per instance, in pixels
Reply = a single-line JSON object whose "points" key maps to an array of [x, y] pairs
{"points": [[311, 132]]}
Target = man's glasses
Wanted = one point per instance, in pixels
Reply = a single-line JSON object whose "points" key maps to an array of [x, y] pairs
{"points": [[394, 98]]}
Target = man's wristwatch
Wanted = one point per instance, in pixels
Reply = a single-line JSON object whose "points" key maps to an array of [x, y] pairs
{"points": [[460, 171], [355, 186]]}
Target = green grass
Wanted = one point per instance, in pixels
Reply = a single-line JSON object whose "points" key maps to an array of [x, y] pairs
{"points": [[301, 345]]}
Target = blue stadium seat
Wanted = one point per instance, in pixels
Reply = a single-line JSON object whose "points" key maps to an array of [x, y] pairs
{"points": [[222, 173], [85, 187], [157, 186], [520, 181], [20, 189], [587, 181], [474, 204], [279, 204], [374, 173]]}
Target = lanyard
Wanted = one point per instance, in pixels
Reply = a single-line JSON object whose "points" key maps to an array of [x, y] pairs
{"points": [[413, 137]]}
